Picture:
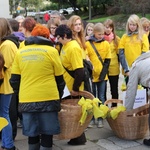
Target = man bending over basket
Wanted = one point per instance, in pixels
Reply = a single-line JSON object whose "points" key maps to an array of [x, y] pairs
{"points": [[139, 74]]}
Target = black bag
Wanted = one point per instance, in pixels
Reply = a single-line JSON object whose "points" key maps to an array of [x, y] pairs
{"points": [[88, 67], [87, 70]]}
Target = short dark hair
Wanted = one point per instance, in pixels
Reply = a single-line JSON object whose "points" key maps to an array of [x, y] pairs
{"points": [[63, 30], [14, 24]]}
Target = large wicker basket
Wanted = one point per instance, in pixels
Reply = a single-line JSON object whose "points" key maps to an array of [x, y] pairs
{"points": [[130, 125], [69, 117]]}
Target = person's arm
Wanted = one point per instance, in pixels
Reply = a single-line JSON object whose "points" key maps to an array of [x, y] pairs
{"points": [[60, 84], [132, 88], [123, 61], [78, 78], [15, 82]]}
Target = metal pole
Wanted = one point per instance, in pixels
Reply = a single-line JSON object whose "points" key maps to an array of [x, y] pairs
{"points": [[89, 9]]}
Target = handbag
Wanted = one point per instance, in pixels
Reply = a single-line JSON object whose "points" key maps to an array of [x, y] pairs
{"points": [[88, 67]]}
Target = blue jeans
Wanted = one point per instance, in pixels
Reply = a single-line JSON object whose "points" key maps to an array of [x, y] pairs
{"points": [[99, 90], [37, 123], [7, 138]]}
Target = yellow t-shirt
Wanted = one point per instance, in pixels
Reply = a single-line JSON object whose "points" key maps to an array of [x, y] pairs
{"points": [[22, 44], [71, 57], [103, 49], [8, 50], [133, 47], [38, 65], [114, 67]]}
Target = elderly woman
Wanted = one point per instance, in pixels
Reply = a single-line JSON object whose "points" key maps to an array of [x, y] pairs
{"points": [[39, 90]]}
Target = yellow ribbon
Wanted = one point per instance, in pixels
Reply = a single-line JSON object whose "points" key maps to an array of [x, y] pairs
{"points": [[3, 123], [86, 109], [92, 107], [115, 112]]}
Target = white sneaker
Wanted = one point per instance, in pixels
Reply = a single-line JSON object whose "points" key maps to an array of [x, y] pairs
{"points": [[100, 124], [91, 124]]}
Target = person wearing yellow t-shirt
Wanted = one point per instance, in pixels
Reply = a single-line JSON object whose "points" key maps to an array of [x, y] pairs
{"points": [[100, 69], [75, 23], [37, 74], [132, 44], [8, 47], [114, 67], [71, 57]]}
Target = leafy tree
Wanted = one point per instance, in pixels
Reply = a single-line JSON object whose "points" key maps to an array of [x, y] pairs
{"points": [[135, 6]]}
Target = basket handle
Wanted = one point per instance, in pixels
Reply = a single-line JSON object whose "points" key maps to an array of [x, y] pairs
{"points": [[86, 94], [136, 110]]}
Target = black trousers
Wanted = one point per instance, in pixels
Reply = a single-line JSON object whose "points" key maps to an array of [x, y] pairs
{"points": [[113, 80], [13, 113]]}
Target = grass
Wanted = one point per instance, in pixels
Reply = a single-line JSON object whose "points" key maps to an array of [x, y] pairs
{"points": [[120, 19], [116, 18]]}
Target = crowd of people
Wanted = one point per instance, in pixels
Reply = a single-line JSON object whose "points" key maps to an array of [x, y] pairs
{"points": [[38, 60]]}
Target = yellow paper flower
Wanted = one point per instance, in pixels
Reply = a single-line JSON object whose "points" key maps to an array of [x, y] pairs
{"points": [[86, 109], [115, 112], [94, 107], [105, 110], [3, 123]]}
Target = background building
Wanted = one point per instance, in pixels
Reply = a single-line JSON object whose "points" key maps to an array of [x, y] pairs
{"points": [[4, 9]]}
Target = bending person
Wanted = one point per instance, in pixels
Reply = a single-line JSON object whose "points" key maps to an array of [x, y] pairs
{"points": [[139, 74]]}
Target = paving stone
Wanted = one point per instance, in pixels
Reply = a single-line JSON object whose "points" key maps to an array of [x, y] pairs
{"points": [[109, 145], [123, 143]]}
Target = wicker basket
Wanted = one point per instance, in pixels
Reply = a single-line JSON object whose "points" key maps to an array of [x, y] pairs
{"points": [[69, 117], [131, 125]]}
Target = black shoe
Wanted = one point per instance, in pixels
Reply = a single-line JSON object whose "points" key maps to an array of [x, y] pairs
{"points": [[146, 142], [81, 140], [75, 143]]}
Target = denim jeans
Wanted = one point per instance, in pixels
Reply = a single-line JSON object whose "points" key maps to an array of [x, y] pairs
{"points": [[99, 90], [7, 139]]}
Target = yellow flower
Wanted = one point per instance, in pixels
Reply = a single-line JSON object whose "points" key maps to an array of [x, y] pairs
{"points": [[115, 112], [3, 123]]}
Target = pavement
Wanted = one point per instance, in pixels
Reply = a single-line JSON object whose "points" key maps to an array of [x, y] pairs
{"points": [[97, 138]]}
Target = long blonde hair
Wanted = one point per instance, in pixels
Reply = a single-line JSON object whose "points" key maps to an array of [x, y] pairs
{"points": [[88, 25], [135, 20], [80, 36]]}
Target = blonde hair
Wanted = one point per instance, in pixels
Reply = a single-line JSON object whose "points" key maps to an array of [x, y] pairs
{"points": [[5, 28], [87, 26], [98, 27], [54, 22], [144, 21], [110, 23], [135, 20], [80, 36]]}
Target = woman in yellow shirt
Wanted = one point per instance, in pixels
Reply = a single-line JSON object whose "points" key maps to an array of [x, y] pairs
{"points": [[39, 90], [132, 44], [114, 67], [8, 47]]}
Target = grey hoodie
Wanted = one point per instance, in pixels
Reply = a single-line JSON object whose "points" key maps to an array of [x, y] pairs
{"points": [[139, 74]]}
